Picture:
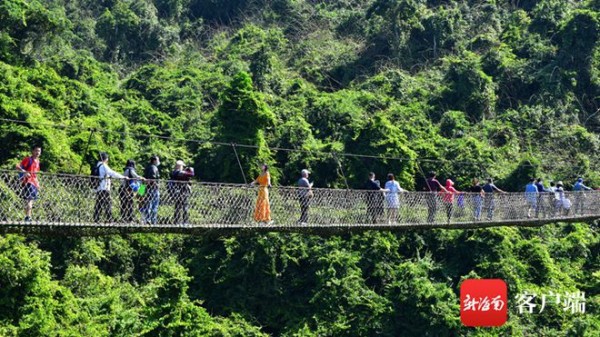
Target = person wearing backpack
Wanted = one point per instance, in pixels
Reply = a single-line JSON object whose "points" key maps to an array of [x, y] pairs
{"points": [[152, 196], [128, 190], [103, 206], [181, 192], [28, 169]]}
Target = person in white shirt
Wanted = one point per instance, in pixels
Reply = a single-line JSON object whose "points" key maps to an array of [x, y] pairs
{"points": [[392, 188], [103, 206], [562, 204]]}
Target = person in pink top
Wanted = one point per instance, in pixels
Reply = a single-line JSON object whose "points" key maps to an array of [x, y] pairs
{"points": [[29, 167], [448, 197]]}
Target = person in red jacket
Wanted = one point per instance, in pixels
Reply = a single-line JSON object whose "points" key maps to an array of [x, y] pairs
{"points": [[29, 167], [448, 197]]}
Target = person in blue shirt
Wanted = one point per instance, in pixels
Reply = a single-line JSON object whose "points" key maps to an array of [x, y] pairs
{"points": [[531, 194], [579, 188]]}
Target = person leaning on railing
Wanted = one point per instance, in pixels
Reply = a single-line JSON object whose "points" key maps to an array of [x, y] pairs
{"points": [[433, 185], [29, 167], [262, 212], [579, 188]]}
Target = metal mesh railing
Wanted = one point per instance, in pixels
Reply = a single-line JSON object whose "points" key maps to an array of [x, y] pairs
{"points": [[71, 200]]}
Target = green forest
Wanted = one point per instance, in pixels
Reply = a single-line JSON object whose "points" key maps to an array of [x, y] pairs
{"points": [[468, 88]]}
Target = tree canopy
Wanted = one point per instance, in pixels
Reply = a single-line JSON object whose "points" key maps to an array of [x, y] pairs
{"points": [[470, 89]]}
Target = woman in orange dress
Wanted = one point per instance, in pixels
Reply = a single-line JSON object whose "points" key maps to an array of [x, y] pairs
{"points": [[262, 213]]}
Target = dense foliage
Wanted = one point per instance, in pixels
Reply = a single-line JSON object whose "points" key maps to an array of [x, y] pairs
{"points": [[507, 89]]}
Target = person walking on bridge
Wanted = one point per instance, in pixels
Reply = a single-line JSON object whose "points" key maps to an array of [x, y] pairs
{"points": [[262, 212], [477, 195], [579, 191], [489, 200], [434, 186], [128, 190], [551, 198], [182, 191], [152, 197], [103, 208], [28, 168], [374, 199], [448, 198], [392, 198], [562, 204], [532, 196], [305, 193], [541, 203]]}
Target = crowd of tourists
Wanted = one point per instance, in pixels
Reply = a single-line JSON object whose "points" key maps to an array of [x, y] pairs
{"points": [[383, 202]]}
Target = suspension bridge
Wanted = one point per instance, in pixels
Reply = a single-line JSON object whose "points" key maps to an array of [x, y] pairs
{"points": [[66, 207]]}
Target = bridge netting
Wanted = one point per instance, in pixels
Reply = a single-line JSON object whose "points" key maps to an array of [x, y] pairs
{"points": [[69, 201]]}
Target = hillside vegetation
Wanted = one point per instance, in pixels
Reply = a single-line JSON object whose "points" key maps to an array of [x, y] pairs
{"points": [[496, 88]]}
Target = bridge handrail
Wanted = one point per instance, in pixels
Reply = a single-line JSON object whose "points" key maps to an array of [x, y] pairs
{"points": [[70, 199]]}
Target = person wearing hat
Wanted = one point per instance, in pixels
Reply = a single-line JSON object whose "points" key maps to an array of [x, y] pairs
{"points": [[103, 206], [305, 193], [579, 188], [181, 191]]}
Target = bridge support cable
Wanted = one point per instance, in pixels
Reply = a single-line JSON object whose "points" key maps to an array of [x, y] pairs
{"points": [[87, 147], [239, 163]]}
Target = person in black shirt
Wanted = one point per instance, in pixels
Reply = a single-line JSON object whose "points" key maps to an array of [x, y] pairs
{"points": [[477, 196], [541, 204], [434, 186], [489, 201], [374, 199]]}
